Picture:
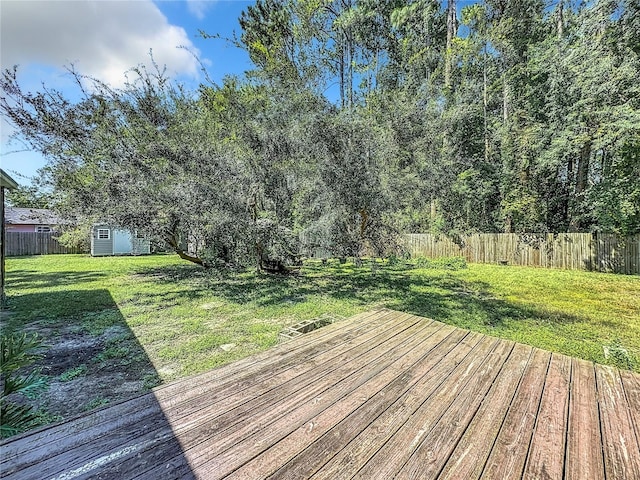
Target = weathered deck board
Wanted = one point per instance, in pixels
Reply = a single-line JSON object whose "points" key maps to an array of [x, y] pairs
{"points": [[389, 459], [470, 455], [405, 373], [546, 452], [619, 442], [432, 454], [510, 448], [377, 430], [381, 395], [632, 389], [326, 385], [584, 442], [392, 364]]}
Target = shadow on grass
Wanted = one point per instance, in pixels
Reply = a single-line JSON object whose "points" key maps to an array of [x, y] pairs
{"points": [[92, 359], [439, 295], [29, 279]]}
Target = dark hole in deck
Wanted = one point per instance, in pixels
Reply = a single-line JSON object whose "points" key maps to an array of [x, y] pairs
{"points": [[305, 326]]}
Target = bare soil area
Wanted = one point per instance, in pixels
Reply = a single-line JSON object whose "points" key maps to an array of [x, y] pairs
{"points": [[85, 371]]}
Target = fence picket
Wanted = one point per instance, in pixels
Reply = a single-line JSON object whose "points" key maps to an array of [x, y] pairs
{"points": [[32, 243], [601, 252]]}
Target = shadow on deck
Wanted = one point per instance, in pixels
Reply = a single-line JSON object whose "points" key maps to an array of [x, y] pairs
{"points": [[91, 358]]}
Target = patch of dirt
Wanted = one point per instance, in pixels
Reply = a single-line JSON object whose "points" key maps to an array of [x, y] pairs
{"points": [[70, 353], [86, 371]]}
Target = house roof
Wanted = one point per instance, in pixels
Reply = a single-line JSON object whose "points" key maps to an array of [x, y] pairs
{"points": [[30, 216], [6, 181]]}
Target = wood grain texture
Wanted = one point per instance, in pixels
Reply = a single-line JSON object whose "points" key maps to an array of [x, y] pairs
{"points": [[470, 455], [381, 429], [631, 384], [431, 455], [510, 449], [390, 458], [584, 442], [547, 450], [345, 418], [619, 442], [374, 370]]}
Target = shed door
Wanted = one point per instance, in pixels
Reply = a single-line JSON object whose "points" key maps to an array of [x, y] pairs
{"points": [[121, 241]]}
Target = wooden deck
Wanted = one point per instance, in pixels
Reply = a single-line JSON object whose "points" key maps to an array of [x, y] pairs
{"points": [[382, 395]]}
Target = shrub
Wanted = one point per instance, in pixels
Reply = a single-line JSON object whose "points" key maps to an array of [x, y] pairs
{"points": [[16, 352], [445, 263], [393, 259]]}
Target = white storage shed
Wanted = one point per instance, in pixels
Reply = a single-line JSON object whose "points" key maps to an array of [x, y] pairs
{"points": [[109, 240]]}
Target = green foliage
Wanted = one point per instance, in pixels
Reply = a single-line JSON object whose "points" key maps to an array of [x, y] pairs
{"points": [[76, 236], [151, 380], [615, 201], [393, 260], [444, 263], [113, 352], [18, 351], [96, 403], [31, 196], [527, 122]]}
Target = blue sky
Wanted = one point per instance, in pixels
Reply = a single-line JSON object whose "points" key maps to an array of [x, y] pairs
{"points": [[103, 38]]}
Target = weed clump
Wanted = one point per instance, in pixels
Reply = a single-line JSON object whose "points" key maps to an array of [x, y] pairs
{"points": [[619, 356], [444, 263]]}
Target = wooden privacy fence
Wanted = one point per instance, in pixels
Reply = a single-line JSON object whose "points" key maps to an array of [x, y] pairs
{"points": [[601, 252], [31, 243]]}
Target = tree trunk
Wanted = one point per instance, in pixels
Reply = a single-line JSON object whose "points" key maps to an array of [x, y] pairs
{"points": [[582, 177], [364, 222], [507, 224], [347, 5], [582, 174], [560, 20], [259, 256], [485, 103], [451, 33], [173, 242], [433, 212]]}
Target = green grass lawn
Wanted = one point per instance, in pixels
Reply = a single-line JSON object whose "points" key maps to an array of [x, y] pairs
{"points": [[181, 315]]}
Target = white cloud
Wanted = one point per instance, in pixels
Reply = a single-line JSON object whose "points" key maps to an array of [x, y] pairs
{"points": [[198, 8], [103, 39]]}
